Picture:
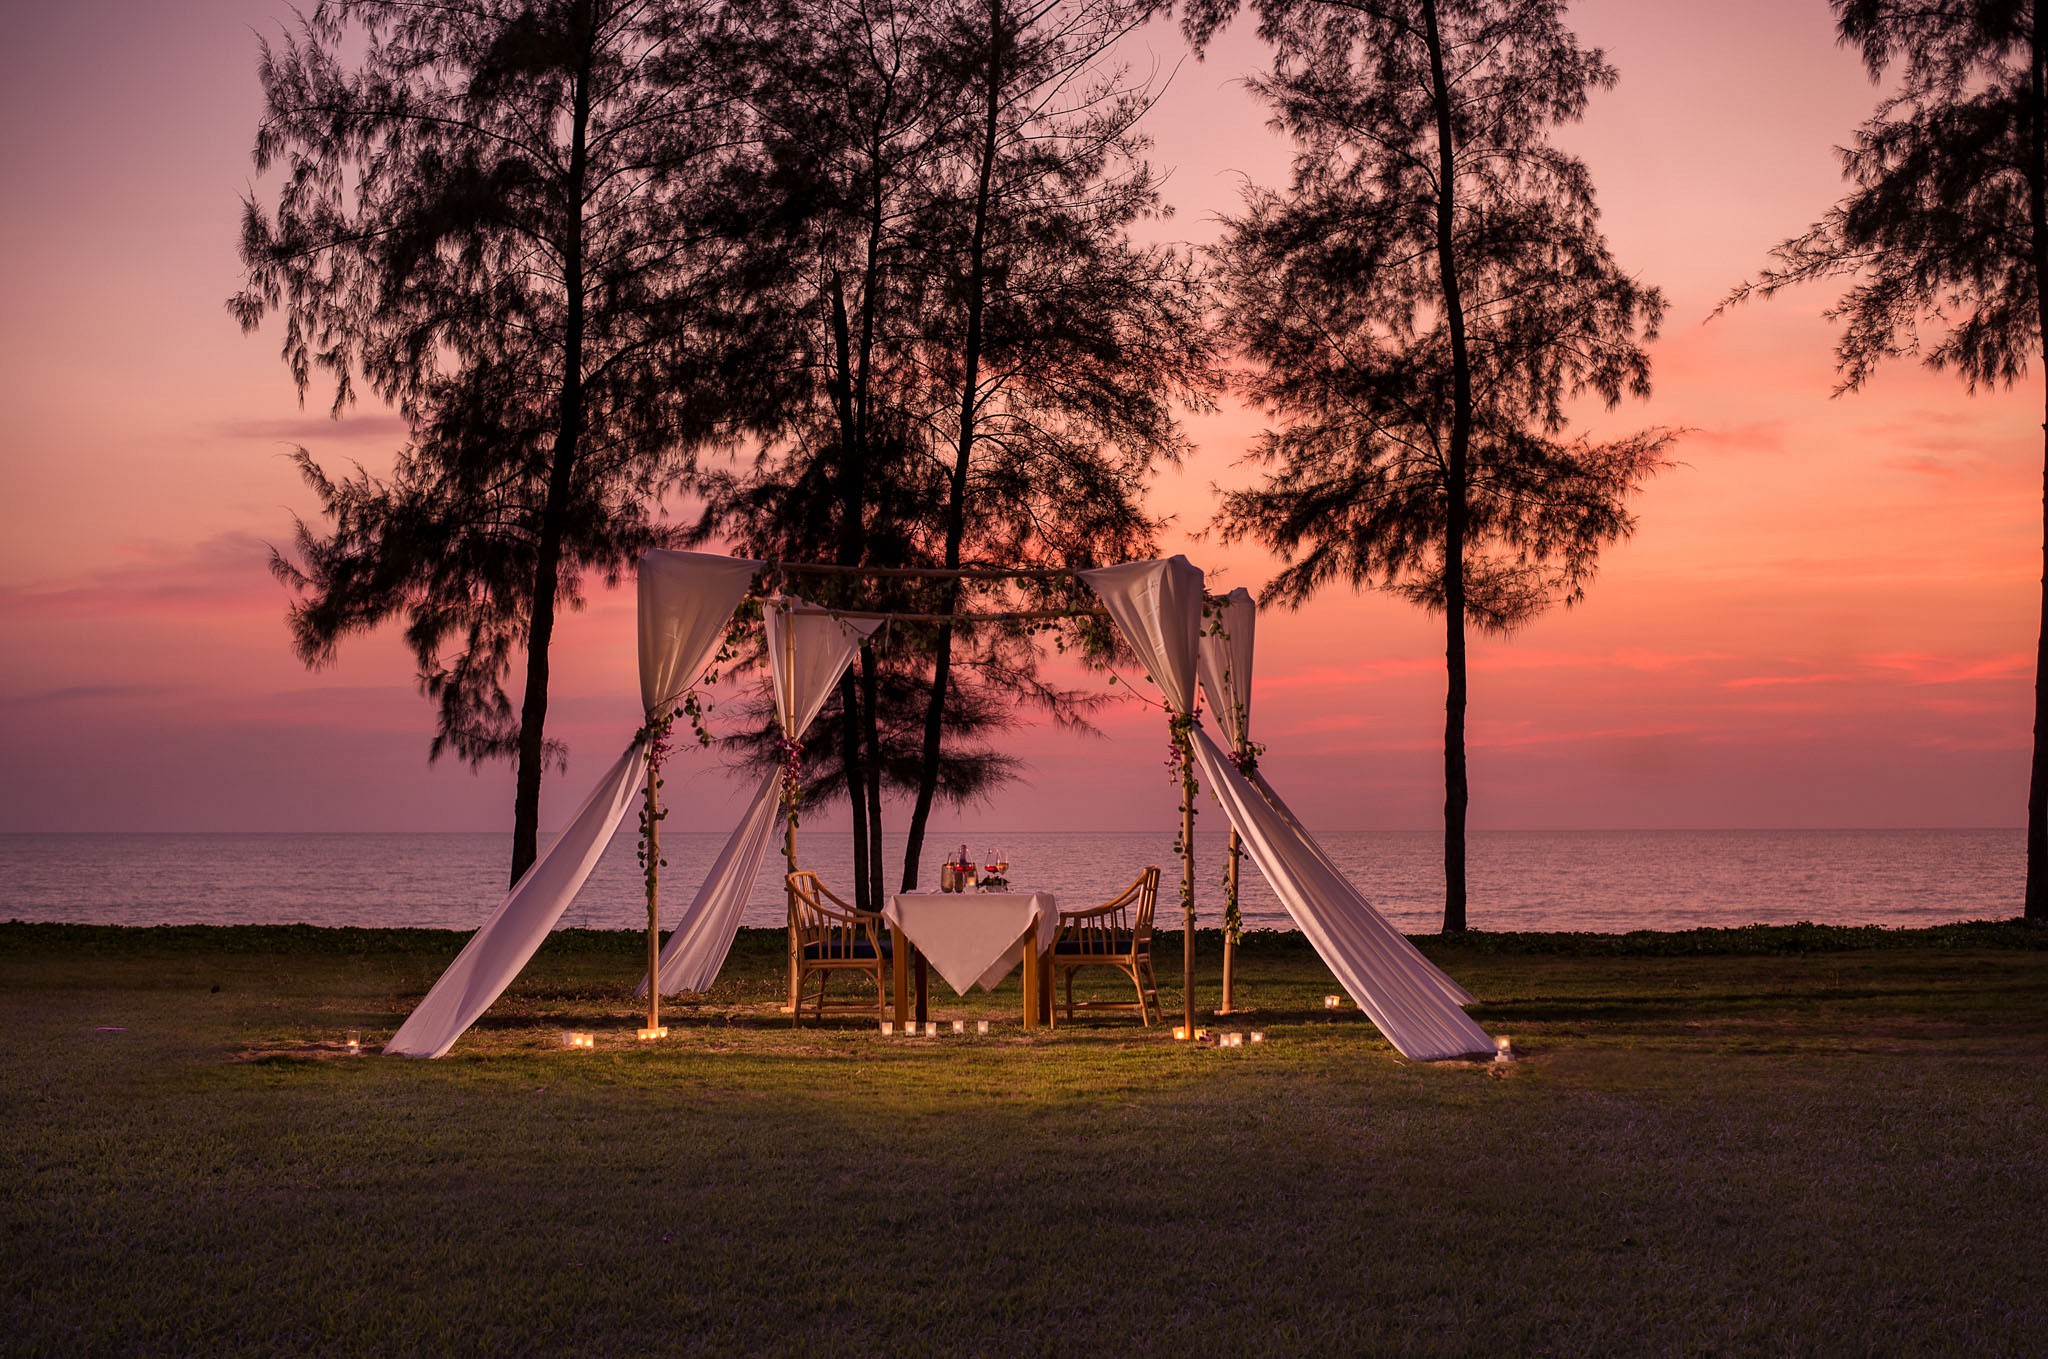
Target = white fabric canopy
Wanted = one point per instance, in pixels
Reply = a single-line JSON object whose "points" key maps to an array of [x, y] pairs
{"points": [[496, 953], [807, 653], [1340, 884], [686, 599], [696, 949], [1226, 664], [1392, 982], [1157, 607]]}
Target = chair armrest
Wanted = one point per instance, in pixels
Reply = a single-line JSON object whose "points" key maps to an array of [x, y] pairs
{"points": [[851, 917], [1091, 913]]}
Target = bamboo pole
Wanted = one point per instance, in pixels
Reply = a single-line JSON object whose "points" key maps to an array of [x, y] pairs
{"points": [[789, 796], [1009, 616], [1187, 882], [1229, 934], [653, 888], [923, 572]]}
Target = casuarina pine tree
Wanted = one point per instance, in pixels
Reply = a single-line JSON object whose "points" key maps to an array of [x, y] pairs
{"points": [[1421, 306], [1944, 235], [505, 219]]}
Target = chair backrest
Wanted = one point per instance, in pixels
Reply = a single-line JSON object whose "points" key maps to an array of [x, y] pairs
{"points": [[1148, 898], [1123, 924], [813, 921]]}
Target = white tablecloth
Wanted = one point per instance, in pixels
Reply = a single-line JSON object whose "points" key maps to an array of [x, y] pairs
{"points": [[975, 938]]}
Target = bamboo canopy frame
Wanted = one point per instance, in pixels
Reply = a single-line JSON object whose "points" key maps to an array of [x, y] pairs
{"points": [[1187, 807]]}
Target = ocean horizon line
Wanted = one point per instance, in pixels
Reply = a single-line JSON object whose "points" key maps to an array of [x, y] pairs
{"points": [[823, 831]]}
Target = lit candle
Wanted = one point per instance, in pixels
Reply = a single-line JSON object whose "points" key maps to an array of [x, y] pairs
{"points": [[1258, 1037], [1332, 1002], [355, 1043], [649, 1035], [888, 1027], [981, 1026], [1503, 1051], [959, 1026], [1233, 1040], [1180, 1033], [931, 1028], [573, 1039]]}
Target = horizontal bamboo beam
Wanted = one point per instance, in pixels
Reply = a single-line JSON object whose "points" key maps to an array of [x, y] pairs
{"points": [[931, 572], [1018, 616]]}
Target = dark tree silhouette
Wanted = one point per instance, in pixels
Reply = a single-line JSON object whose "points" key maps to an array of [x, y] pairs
{"points": [[1064, 347], [1946, 229], [855, 118], [503, 217], [993, 363], [1420, 305]]}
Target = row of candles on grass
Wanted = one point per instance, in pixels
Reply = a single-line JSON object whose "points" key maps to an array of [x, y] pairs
{"points": [[908, 1028], [1221, 1040]]}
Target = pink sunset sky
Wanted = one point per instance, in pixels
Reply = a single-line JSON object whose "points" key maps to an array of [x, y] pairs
{"points": [[1826, 618]]}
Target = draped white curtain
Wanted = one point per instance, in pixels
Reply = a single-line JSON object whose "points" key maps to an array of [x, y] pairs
{"points": [[1392, 982], [1157, 607], [686, 599], [807, 653], [1226, 664]]}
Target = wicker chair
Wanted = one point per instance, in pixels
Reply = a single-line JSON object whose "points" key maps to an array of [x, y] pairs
{"points": [[1116, 934], [826, 936]]}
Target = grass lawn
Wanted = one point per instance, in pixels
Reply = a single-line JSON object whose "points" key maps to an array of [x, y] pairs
{"points": [[1800, 1141]]}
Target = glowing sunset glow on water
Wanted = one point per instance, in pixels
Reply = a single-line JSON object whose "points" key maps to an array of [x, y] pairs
{"points": [[1826, 618]]}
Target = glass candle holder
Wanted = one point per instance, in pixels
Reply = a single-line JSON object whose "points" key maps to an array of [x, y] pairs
{"points": [[1332, 1002], [931, 1028], [959, 1026], [888, 1027], [981, 1026]]}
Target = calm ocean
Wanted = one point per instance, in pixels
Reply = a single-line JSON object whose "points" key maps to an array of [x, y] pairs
{"points": [[1521, 880]]}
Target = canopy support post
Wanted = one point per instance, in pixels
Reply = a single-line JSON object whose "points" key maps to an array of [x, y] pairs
{"points": [[1230, 922], [791, 790], [1184, 741], [653, 888]]}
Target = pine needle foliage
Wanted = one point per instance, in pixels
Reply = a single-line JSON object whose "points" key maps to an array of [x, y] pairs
{"points": [[1419, 310]]}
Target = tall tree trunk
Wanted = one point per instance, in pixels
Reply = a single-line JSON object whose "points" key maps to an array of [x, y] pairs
{"points": [[856, 786], [956, 493], [1455, 513], [2037, 215], [533, 709], [850, 491], [870, 686]]}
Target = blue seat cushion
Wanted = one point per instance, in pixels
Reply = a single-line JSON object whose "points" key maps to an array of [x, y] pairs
{"points": [[845, 952], [1117, 948]]}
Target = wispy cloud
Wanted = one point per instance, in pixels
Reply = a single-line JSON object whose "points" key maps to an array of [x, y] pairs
{"points": [[1786, 681], [310, 431], [1755, 436], [90, 694], [227, 572], [1919, 667]]}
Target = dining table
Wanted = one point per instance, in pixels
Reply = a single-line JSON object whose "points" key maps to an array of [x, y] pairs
{"points": [[973, 939]]}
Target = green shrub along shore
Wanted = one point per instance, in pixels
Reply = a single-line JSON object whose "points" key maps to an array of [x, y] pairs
{"points": [[1804, 1140]]}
